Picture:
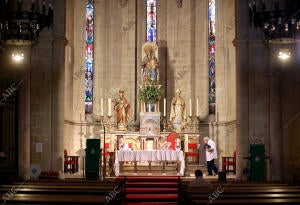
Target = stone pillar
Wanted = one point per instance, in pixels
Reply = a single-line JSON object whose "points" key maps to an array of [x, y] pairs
{"points": [[276, 144], [242, 86], [57, 90], [24, 130]]}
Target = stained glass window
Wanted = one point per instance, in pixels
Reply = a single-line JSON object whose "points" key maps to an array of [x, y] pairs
{"points": [[212, 60], [89, 56], [151, 20]]}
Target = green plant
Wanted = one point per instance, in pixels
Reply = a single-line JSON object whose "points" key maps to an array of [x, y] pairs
{"points": [[149, 94]]}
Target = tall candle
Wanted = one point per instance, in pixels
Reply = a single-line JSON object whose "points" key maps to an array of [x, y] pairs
{"points": [[109, 107], [190, 107], [198, 107], [165, 107], [101, 107]]}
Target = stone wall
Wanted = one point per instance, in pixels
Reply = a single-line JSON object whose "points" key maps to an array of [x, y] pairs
{"points": [[56, 86], [266, 110], [183, 59]]}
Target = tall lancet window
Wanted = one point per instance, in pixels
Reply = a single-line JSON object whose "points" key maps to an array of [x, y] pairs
{"points": [[89, 56], [151, 20], [212, 49]]}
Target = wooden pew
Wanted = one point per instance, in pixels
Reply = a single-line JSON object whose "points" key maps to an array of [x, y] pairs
{"points": [[242, 194], [61, 193]]}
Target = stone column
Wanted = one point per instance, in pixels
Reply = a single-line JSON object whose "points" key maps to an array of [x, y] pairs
{"points": [[24, 130], [276, 144], [57, 89], [242, 86]]}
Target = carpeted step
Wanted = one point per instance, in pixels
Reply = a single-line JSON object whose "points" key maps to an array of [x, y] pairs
{"points": [[152, 190], [152, 184], [151, 203], [151, 197], [150, 178]]}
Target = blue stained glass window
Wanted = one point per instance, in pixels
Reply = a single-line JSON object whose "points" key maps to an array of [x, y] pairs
{"points": [[89, 56], [211, 56], [151, 20]]}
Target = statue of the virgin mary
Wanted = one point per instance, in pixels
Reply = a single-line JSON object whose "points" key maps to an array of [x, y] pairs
{"points": [[149, 66]]}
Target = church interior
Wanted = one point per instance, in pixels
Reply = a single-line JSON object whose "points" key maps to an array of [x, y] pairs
{"points": [[149, 102]]}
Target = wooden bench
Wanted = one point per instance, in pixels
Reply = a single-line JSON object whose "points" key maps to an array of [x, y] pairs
{"points": [[242, 194], [56, 198], [61, 193]]}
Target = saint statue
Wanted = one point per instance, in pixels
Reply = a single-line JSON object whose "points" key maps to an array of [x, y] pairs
{"points": [[122, 107], [149, 67], [178, 111]]}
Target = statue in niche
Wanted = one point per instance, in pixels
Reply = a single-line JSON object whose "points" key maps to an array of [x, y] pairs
{"points": [[123, 3], [178, 111], [179, 3], [122, 107], [149, 67]]}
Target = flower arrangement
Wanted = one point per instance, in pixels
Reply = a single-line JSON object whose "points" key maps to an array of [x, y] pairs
{"points": [[150, 94]]}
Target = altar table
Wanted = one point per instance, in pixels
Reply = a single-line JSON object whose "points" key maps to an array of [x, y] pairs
{"points": [[149, 156]]}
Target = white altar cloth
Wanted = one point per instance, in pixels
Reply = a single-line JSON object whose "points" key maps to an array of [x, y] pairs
{"points": [[149, 156]]}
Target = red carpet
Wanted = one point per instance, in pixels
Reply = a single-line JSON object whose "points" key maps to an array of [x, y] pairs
{"points": [[151, 190]]}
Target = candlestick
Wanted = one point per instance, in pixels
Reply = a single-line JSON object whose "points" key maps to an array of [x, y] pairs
{"points": [[164, 121], [165, 106], [190, 107], [109, 107], [191, 122], [186, 143], [178, 142], [197, 107], [112, 143], [198, 123], [101, 107], [109, 121]]}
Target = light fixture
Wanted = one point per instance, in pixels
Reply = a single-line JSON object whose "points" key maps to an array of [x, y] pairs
{"points": [[17, 56], [22, 27], [277, 21], [284, 54]]}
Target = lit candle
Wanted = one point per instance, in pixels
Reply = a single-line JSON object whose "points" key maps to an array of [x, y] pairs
{"points": [[101, 107], [109, 107], [198, 107], [165, 107], [190, 107]]}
